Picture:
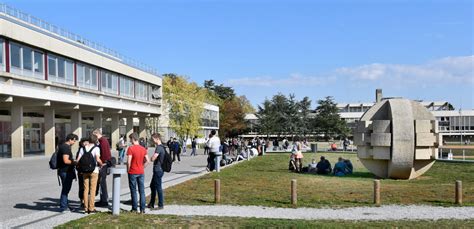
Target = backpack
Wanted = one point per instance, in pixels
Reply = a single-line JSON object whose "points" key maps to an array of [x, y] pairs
{"points": [[167, 161], [87, 162], [53, 161]]}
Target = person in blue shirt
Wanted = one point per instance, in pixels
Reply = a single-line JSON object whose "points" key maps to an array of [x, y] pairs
{"points": [[340, 168]]}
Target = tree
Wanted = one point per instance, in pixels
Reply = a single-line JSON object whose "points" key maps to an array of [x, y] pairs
{"points": [[266, 120], [246, 105], [327, 120], [232, 123], [304, 107], [185, 103], [221, 91]]}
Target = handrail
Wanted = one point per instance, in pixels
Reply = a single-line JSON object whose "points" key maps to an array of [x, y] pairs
{"points": [[24, 17]]}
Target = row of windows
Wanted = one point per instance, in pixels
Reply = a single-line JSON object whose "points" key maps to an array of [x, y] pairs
{"points": [[29, 62], [1, 54]]}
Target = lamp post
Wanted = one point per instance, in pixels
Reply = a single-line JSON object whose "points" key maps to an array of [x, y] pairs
{"points": [[460, 124]]}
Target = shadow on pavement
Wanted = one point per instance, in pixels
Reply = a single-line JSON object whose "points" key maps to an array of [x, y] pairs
{"points": [[47, 203], [187, 172]]}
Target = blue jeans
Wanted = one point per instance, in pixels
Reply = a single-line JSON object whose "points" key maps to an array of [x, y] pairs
{"points": [[66, 183], [193, 152], [133, 179], [121, 155], [156, 187]]}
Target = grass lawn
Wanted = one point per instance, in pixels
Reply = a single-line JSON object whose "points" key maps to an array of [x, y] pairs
{"points": [[266, 181], [131, 220]]}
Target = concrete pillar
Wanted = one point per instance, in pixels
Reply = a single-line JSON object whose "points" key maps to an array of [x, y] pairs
{"points": [[129, 127], [17, 131], [115, 133], [142, 129], [98, 120], [76, 128], [378, 95], [49, 132]]}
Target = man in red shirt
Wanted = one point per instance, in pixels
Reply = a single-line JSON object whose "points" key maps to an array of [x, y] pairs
{"points": [[137, 161], [105, 156]]}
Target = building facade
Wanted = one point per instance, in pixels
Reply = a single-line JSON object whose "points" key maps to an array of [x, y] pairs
{"points": [[53, 82], [209, 122]]}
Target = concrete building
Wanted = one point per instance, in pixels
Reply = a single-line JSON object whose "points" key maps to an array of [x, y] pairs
{"points": [[209, 122], [454, 125], [53, 82]]}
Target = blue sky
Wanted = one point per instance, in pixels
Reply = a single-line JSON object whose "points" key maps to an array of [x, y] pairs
{"points": [[345, 49]]}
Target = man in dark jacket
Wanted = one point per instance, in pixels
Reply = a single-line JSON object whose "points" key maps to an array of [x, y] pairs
{"points": [[66, 172], [105, 156], [156, 181], [323, 166]]}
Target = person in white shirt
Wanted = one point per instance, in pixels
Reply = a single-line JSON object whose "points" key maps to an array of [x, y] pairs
{"points": [[90, 178], [214, 144]]}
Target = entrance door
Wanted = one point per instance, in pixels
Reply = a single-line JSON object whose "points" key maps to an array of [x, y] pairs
{"points": [[32, 140]]}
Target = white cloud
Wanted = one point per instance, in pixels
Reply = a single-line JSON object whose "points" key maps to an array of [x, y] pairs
{"points": [[446, 70], [452, 70]]}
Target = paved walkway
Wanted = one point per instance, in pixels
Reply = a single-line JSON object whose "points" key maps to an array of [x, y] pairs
{"points": [[29, 190], [390, 212]]}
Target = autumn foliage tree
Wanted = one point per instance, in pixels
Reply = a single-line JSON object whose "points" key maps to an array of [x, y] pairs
{"points": [[232, 123], [184, 101]]}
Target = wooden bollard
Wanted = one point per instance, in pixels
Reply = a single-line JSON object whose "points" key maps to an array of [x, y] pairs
{"points": [[458, 192], [294, 197], [377, 192], [217, 191]]}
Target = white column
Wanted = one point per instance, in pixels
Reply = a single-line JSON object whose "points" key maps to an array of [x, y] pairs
{"points": [[76, 128], [49, 132], [98, 120], [129, 127], [115, 133], [142, 129], [17, 131]]}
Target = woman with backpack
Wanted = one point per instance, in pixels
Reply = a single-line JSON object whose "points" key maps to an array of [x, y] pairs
{"points": [[88, 164]]}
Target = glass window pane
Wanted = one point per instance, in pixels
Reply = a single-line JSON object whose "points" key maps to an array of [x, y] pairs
{"points": [[80, 75], [69, 72], [109, 81], [103, 80], [61, 66], [27, 58], [1, 54], [38, 66], [15, 55], [94, 77], [52, 66]]}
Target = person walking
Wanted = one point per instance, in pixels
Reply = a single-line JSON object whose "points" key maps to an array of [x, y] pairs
{"points": [[137, 160], [206, 148], [193, 146], [105, 156], [156, 181], [66, 171], [175, 148], [90, 177], [121, 145], [214, 145]]}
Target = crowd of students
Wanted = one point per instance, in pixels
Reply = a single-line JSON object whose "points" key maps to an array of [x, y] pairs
{"points": [[91, 166]]}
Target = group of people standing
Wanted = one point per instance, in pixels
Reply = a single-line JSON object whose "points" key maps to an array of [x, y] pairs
{"points": [[96, 148], [92, 161]]}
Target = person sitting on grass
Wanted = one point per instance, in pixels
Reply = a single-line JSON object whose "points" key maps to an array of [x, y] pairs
{"points": [[340, 168], [323, 166], [292, 164], [312, 166], [349, 167]]}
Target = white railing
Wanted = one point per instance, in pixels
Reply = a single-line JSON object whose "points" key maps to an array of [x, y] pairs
{"points": [[15, 13]]}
